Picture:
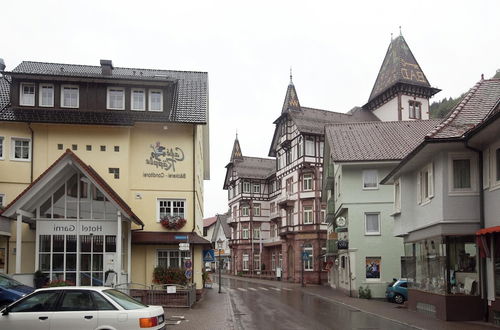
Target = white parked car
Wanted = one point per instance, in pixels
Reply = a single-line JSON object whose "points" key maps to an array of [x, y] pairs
{"points": [[77, 308]]}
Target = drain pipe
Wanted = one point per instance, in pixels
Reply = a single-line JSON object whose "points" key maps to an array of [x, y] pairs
{"points": [[31, 151], [482, 268]]}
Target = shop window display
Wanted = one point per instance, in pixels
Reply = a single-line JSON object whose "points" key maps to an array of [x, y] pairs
{"points": [[443, 265]]}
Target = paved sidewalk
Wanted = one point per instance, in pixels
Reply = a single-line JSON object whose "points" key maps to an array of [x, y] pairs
{"points": [[213, 311], [381, 308]]}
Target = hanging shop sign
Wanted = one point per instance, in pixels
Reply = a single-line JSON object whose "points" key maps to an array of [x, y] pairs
{"points": [[163, 160]]}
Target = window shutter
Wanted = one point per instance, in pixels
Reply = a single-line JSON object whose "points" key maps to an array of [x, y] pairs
{"points": [[431, 180]]}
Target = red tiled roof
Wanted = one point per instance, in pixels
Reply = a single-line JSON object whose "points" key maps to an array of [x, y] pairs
{"points": [[207, 222], [91, 172], [369, 141], [474, 108]]}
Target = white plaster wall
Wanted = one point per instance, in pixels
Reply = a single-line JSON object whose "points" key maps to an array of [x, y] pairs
{"points": [[388, 111], [405, 115]]}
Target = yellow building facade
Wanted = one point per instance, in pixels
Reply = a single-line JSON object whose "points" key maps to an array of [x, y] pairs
{"points": [[105, 178]]}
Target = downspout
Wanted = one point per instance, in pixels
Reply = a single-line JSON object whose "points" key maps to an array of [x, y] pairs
{"points": [[31, 151], [482, 268]]}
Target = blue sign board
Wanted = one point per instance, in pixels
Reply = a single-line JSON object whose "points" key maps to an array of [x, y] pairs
{"points": [[188, 273], [188, 264], [305, 256], [208, 255], [179, 237]]}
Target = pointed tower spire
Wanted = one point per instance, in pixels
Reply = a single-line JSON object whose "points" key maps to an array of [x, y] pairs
{"points": [[236, 154], [291, 99], [399, 66]]}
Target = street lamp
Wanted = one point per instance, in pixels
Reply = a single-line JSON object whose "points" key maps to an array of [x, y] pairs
{"points": [[219, 246]]}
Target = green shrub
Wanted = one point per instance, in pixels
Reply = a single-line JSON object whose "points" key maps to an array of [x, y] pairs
{"points": [[365, 293], [162, 275]]}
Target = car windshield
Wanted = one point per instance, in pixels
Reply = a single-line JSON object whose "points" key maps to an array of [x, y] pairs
{"points": [[123, 300], [7, 282]]}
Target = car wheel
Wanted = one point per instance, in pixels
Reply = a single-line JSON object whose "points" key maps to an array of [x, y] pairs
{"points": [[399, 299]]}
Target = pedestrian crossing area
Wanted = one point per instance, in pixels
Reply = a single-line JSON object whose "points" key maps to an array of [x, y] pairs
{"points": [[259, 288]]}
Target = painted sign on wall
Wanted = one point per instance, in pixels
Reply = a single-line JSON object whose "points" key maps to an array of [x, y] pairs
{"points": [[165, 159]]}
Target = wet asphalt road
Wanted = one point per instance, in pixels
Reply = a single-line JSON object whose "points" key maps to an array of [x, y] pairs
{"points": [[263, 306]]}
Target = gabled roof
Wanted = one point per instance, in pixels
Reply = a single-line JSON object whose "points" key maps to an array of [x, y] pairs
{"points": [[207, 222], [399, 66], [190, 103], [89, 171], [476, 105], [255, 168], [375, 141], [221, 221]]}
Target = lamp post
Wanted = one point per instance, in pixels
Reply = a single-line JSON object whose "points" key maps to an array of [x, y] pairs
{"points": [[219, 246]]}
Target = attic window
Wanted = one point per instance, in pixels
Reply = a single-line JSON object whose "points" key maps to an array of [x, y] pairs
{"points": [[116, 98], [27, 94]]}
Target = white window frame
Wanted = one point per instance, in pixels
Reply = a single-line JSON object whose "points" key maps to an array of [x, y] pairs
{"points": [[372, 233], [414, 109], [309, 263], [108, 98], [21, 94], [63, 87], [245, 211], [246, 187], [256, 233], [13, 148], [308, 214], [365, 173], [40, 95], [171, 200], [2, 200], [256, 188], [472, 170], [151, 91], [143, 100], [307, 182], [182, 256], [256, 209], [310, 145], [244, 233], [2, 149], [245, 261], [421, 198]]}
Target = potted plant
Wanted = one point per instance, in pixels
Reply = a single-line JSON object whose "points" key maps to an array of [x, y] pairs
{"points": [[39, 279]]}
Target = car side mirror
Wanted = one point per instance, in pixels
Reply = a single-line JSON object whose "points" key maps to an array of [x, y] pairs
{"points": [[6, 311]]}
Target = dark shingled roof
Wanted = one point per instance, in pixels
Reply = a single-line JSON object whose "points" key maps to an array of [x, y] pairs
{"points": [[255, 168], [475, 107], [399, 66], [370, 141], [313, 121], [4, 92], [225, 226], [190, 104]]}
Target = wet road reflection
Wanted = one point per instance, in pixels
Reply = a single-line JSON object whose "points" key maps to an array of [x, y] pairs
{"points": [[263, 306]]}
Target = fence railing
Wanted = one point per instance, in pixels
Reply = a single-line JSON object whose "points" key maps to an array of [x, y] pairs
{"points": [[167, 295]]}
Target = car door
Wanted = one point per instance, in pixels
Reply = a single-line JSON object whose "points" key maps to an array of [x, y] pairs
{"points": [[75, 311], [32, 312]]}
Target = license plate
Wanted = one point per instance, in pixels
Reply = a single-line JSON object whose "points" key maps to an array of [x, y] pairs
{"points": [[161, 318]]}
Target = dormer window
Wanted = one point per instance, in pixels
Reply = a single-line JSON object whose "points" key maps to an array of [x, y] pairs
{"points": [[415, 109], [70, 96], [155, 100], [138, 99], [116, 98], [46, 95], [27, 96]]}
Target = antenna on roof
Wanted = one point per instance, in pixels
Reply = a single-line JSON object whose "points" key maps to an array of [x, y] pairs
{"points": [[400, 33], [291, 82], [236, 134], [391, 36]]}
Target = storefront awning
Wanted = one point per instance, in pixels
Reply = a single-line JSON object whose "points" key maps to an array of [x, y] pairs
{"points": [[153, 237], [489, 230]]}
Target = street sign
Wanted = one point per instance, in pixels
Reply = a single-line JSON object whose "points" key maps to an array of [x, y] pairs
{"points": [[180, 237], [305, 256], [188, 264], [184, 246], [208, 255], [188, 273]]}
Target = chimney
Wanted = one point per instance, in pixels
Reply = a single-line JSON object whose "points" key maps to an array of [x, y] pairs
{"points": [[2, 65], [107, 67]]}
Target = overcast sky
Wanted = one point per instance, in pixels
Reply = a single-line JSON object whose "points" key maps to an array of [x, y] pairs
{"points": [[335, 48]]}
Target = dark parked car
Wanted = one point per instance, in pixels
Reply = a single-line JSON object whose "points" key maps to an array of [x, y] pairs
{"points": [[397, 291], [11, 290]]}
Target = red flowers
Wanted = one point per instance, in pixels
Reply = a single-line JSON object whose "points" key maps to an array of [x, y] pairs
{"points": [[173, 222]]}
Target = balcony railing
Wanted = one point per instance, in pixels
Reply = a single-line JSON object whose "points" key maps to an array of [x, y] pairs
{"points": [[298, 228]]}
